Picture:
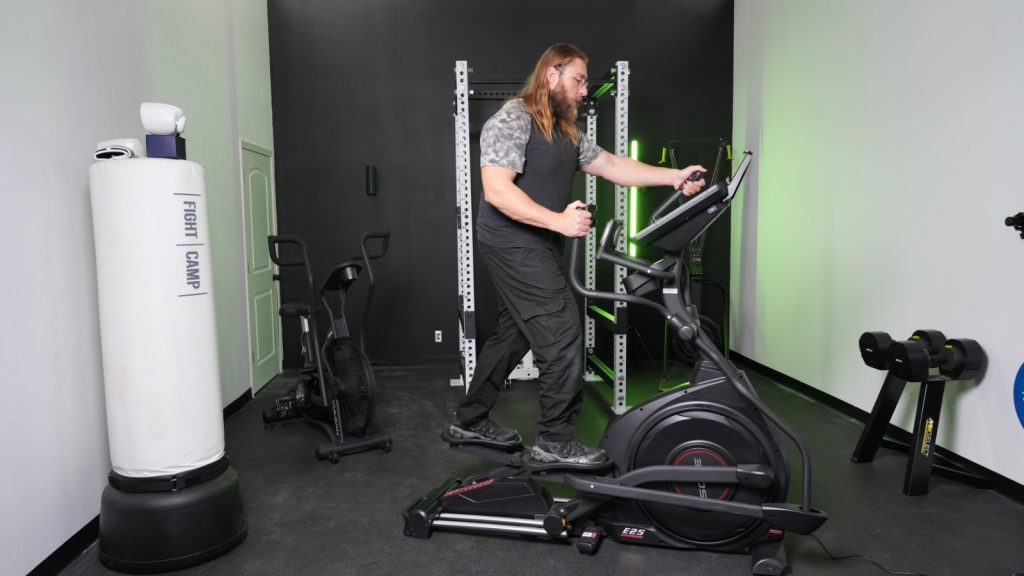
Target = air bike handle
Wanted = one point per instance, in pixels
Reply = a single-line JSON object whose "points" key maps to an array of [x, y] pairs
{"points": [[384, 237], [274, 243]]}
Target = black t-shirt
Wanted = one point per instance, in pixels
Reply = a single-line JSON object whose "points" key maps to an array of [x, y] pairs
{"points": [[545, 171]]}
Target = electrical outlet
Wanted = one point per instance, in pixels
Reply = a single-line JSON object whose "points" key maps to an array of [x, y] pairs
{"points": [[437, 335]]}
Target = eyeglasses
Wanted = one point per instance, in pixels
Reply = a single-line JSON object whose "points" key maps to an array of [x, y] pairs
{"points": [[580, 80]]}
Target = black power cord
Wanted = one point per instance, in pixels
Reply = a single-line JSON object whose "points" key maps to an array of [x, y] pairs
{"points": [[650, 358], [872, 561], [863, 558]]}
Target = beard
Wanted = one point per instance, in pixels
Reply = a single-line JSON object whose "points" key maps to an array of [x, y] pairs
{"points": [[562, 104]]}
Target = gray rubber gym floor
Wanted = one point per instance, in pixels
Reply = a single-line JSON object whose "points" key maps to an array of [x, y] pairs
{"points": [[308, 517]]}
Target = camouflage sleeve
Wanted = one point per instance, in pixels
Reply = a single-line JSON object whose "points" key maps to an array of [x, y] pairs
{"points": [[588, 151], [504, 137]]}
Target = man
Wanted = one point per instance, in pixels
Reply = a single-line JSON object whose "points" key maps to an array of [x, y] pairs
{"points": [[529, 154]]}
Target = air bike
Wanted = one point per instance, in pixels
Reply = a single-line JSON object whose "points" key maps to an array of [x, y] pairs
{"points": [[698, 467], [335, 388]]}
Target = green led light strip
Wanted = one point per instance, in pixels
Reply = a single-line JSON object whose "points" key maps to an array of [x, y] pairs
{"points": [[634, 154]]}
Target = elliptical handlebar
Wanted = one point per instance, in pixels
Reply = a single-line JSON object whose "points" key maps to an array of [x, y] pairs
{"points": [[603, 253], [665, 206], [608, 254], [678, 324]]}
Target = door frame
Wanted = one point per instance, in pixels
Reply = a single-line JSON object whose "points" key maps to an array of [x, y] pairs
{"points": [[256, 148]]}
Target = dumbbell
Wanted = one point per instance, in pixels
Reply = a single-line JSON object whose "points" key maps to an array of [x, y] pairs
{"points": [[874, 349], [960, 359], [912, 359], [956, 359]]}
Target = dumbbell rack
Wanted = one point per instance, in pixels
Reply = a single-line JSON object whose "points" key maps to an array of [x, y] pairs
{"points": [[911, 361]]}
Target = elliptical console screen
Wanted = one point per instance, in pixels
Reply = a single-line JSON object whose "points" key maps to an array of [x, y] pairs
{"points": [[693, 216]]}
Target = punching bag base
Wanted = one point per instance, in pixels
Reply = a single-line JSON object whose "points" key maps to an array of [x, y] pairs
{"points": [[147, 532]]}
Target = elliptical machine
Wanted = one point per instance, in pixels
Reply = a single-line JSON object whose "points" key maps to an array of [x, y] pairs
{"points": [[698, 467], [335, 387]]}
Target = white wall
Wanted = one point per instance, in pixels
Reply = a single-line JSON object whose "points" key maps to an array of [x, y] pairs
{"points": [[74, 74], [888, 136]]}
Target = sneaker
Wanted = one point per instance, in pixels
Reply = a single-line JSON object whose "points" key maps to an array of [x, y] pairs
{"points": [[570, 452], [485, 429]]}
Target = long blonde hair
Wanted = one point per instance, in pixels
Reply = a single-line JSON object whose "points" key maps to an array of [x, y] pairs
{"points": [[536, 93]]}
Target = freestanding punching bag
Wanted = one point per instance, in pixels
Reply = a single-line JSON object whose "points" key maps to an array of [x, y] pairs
{"points": [[172, 498]]}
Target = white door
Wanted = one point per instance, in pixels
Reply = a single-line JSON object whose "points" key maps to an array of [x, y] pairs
{"points": [[264, 327]]}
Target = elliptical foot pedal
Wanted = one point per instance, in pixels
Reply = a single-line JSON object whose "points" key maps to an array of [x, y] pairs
{"points": [[504, 453], [455, 440], [534, 465]]}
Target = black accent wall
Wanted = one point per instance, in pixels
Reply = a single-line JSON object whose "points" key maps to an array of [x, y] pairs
{"points": [[370, 82]]}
